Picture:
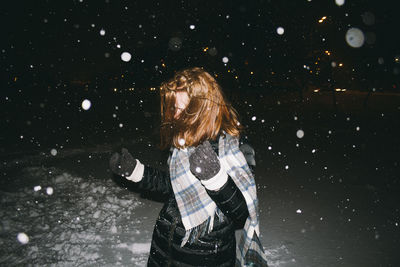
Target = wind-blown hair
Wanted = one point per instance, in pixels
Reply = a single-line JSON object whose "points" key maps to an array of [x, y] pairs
{"points": [[207, 114]]}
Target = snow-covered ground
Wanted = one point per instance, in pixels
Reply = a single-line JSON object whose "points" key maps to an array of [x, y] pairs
{"points": [[72, 220], [328, 198], [52, 215]]}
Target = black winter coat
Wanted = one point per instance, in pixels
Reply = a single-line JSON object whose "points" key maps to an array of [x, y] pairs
{"points": [[217, 248]]}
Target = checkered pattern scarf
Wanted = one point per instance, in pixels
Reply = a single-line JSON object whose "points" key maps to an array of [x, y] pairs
{"points": [[197, 208]]}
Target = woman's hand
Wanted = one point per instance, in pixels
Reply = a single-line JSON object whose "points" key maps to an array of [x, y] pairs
{"points": [[204, 162], [122, 164]]}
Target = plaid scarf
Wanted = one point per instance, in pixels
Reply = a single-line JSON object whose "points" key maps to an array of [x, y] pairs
{"points": [[197, 209]]}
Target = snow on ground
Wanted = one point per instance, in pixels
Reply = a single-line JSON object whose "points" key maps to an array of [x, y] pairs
{"points": [[85, 221], [73, 220]]}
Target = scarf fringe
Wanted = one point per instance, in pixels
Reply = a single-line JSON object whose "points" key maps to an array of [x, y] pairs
{"points": [[193, 234]]}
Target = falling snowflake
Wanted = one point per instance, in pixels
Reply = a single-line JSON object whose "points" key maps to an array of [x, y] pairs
{"points": [[355, 37], [339, 2], [181, 142], [23, 238], [37, 188], [86, 104], [53, 152], [49, 190], [126, 56], [300, 133]]}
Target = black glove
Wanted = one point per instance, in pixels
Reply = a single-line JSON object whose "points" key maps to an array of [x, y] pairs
{"points": [[122, 164], [204, 162]]}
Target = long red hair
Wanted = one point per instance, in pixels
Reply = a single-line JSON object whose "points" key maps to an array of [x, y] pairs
{"points": [[207, 114]]}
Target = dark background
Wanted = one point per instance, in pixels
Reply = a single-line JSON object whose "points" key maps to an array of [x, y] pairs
{"points": [[343, 174], [53, 57]]}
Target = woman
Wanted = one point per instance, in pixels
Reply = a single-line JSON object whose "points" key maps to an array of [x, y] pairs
{"points": [[210, 187]]}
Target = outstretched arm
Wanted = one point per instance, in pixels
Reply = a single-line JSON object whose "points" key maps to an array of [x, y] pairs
{"points": [[145, 177], [155, 181]]}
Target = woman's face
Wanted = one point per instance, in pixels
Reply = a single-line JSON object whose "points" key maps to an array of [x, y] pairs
{"points": [[181, 102]]}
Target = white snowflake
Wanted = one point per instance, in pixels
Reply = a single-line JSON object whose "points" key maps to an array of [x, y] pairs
{"points": [[181, 142], [49, 190], [300, 133], [53, 152], [23, 238], [280, 30], [126, 56], [86, 104]]}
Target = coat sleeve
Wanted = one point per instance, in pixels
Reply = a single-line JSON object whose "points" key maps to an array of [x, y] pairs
{"points": [[155, 181], [231, 202]]}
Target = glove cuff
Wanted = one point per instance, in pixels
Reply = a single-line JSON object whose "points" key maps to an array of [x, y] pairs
{"points": [[137, 173], [217, 181]]}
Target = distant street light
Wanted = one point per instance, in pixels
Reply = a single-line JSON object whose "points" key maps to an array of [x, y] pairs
{"points": [[322, 19]]}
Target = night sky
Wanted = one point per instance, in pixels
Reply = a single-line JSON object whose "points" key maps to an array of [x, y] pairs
{"points": [[60, 41], [55, 54]]}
